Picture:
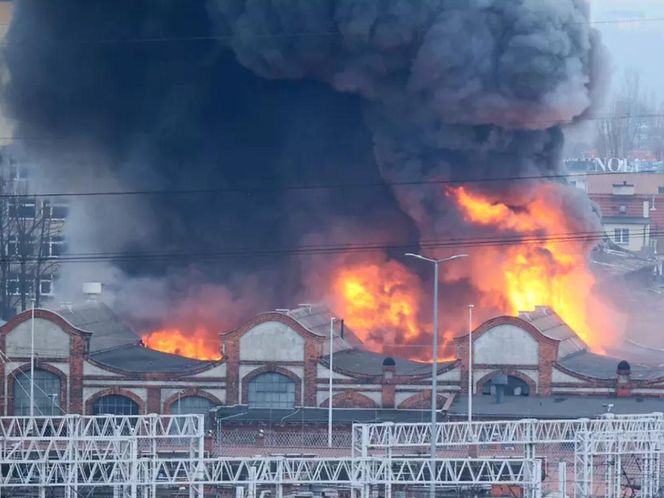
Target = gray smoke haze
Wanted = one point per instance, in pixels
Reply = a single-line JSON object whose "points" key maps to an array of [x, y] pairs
{"points": [[336, 92]]}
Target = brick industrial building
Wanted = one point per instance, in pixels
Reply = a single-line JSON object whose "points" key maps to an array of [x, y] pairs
{"points": [[276, 367]]}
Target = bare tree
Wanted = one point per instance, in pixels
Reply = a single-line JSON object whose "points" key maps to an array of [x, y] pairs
{"points": [[626, 127], [656, 133], [30, 242]]}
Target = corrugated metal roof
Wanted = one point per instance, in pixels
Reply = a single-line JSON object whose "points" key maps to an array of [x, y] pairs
{"points": [[604, 367], [108, 331], [362, 362], [551, 325], [609, 262], [136, 358], [553, 407], [316, 319]]}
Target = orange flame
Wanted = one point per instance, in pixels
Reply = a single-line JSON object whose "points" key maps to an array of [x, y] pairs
{"points": [[381, 303], [542, 271], [378, 298], [192, 344]]}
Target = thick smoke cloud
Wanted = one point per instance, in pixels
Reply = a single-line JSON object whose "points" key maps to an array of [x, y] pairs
{"points": [[245, 93], [454, 89]]}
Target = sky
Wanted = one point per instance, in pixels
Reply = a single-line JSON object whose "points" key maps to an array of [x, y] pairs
{"points": [[634, 45]]}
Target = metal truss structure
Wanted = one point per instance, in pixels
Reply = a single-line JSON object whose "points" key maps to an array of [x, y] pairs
{"points": [[367, 437], [136, 456], [611, 456]]}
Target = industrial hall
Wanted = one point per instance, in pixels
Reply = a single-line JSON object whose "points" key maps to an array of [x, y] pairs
{"points": [[275, 369]]}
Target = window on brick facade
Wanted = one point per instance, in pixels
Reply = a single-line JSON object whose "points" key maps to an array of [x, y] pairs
{"points": [[621, 235], [114, 404], [193, 405], [271, 390], [514, 387], [47, 392]]}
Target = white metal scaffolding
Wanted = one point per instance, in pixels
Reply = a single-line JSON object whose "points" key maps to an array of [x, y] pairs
{"points": [[137, 455]]}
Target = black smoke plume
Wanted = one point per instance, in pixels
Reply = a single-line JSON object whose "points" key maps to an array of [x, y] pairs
{"points": [[239, 94]]}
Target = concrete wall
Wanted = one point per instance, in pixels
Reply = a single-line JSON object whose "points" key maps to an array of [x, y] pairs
{"points": [[50, 340], [273, 342], [639, 235], [506, 345], [559, 376]]}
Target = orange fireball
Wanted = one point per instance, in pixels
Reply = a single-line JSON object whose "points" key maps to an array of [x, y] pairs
{"points": [[192, 344]]}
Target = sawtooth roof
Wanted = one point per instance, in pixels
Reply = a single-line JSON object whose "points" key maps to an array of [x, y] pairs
{"points": [[107, 329]]}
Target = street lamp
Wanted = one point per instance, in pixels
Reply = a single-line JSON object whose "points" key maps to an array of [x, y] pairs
{"points": [[329, 397], [32, 362], [470, 362], [434, 367]]}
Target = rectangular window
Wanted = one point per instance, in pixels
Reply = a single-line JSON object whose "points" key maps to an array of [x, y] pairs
{"points": [[53, 247], [660, 190], [14, 286], [55, 211], [22, 209], [46, 287], [20, 246], [621, 235]]}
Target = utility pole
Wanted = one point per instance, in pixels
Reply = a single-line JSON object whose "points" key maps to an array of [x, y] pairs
{"points": [[434, 365]]}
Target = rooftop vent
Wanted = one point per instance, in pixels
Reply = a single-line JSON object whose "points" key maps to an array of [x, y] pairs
{"points": [[623, 368], [92, 290], [389, 362]]}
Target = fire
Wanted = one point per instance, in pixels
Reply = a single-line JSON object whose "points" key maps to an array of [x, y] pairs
{"points": [[378, 300], [542, 271], [192, 344]]}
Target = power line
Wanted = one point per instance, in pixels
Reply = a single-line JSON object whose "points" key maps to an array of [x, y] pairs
{"points": [[286, 188], [327, 249]]}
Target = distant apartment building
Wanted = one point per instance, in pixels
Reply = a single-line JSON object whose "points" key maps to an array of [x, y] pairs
{"points": [[632, 208], [31, 238]]}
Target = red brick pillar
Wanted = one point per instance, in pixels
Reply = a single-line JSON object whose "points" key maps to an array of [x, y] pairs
{"points": [[548, 353], [79, 348], [232, 355], [311, 353], [462, 355], [154, 400]]}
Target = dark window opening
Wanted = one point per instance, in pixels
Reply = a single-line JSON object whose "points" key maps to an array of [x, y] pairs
{"points": [[514, 387]]}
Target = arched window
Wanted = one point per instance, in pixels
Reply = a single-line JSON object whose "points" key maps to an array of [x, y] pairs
{"points": [[271, 390], [514, 387], [193, 405], [47, 393], [114, 404]]}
